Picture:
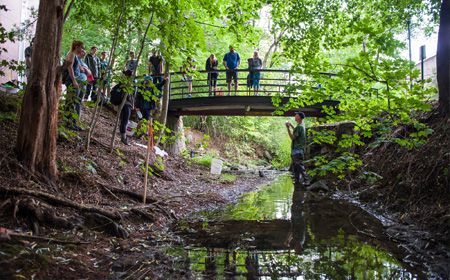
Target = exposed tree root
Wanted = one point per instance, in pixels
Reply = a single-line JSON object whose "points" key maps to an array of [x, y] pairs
{"points": [[26, 236], [150, 217], [98, 222], [52, 199]]}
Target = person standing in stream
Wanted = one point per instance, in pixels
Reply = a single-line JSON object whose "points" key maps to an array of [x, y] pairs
{"points": [[298, 137]]}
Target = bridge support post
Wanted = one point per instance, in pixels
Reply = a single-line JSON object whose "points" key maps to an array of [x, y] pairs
{"points": [[175, 124]]}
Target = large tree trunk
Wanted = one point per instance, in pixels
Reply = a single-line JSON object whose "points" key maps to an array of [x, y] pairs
{"points": [[36, 139], [443, 58]]}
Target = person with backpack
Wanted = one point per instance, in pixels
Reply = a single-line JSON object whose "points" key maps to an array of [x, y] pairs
{"points": [[255, 63], [74, 93], [146, 97], [124, 87]]}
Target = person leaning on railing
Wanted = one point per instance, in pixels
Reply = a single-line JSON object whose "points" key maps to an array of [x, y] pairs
{"points": [[211, 64], [255, 63], [232, 61]]}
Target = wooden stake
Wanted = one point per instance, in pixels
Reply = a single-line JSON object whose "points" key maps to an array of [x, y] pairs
{"points": [[150, 141]]}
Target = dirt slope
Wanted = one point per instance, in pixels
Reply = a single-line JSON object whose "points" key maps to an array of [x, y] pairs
{"points": [[93, 217]]}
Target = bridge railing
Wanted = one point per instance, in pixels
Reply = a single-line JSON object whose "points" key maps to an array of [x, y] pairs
{"points": [[271, 81]]}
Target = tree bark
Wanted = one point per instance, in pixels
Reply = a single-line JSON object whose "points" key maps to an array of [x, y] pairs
{"points": [[443, 58], [36, 139]]}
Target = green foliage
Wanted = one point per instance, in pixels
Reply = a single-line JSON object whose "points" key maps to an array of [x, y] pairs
{"points": [[370, 177], [89, 164], [226, 178], [159, 164], [269, 132], [358, 43], [151, 172], [204, 143], [283, 154], [205, 160], [346, 257], [4, 37], [186, 155], [121, 155], [339, 165]]}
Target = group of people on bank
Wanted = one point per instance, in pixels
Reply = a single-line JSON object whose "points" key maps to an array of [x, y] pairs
{"points": [[85, 78], [82, 79], [138, 97]]}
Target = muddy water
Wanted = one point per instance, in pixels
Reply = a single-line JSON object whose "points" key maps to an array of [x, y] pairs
{"points": [[283, 232]]}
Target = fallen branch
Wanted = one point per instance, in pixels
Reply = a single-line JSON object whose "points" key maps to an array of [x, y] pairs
{"points": [[107, 189]]}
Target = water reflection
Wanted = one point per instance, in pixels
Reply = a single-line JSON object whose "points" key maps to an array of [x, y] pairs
{"points": [[287, 233]]}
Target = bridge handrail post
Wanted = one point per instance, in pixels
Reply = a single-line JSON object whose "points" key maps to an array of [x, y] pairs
{"points": [[170, 86], [209, 81]]}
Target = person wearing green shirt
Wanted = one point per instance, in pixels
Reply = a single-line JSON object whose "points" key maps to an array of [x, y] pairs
{"points": [[298, 137]]}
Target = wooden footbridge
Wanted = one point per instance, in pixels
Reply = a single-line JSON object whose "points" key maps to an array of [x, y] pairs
{"points": [[204, 101]]}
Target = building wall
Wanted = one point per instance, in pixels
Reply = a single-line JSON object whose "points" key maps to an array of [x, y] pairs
{"points": [[18, 11], [429, 69]]}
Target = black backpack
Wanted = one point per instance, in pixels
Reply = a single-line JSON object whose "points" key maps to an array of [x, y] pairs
{"points": [[65, 73], [65, 76], [116, 95]]}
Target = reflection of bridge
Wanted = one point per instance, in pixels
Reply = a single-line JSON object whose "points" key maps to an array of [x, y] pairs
{"points": [[324, 236], [202, 100]]}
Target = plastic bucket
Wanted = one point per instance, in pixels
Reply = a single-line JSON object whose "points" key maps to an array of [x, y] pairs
{"points": [[130, 127], [216, 166]]}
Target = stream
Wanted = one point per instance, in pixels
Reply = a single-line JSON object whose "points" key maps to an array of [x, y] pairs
{"points": [[284, 232]]}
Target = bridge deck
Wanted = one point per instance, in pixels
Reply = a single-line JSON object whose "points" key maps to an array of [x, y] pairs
{"points": [[239, 106]]}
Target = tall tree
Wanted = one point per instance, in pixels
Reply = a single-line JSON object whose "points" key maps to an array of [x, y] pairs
{"points": [[36, 140], [443, 57]]}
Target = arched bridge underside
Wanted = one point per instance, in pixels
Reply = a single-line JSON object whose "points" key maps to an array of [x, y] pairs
{"points": [[239, 106]]}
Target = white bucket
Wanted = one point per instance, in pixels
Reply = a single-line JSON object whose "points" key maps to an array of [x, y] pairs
{"points": [[216, 166], [130, 127]]}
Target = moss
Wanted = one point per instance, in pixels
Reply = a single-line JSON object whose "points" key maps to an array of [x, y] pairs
{"points": [[227, 178]]}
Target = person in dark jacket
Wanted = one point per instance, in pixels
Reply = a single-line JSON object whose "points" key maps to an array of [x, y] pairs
{"points": [[146, 97], [211, 64], [93, 62], [128, 106]]}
